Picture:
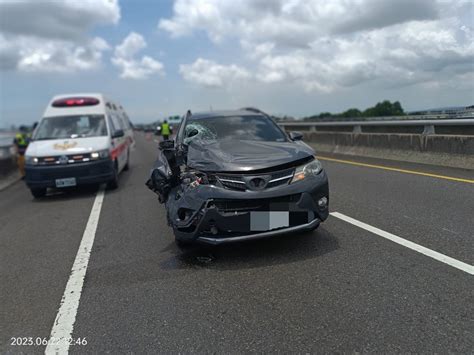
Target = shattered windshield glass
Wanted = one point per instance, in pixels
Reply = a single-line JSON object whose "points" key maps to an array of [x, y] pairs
{"points": [[211, 129]]}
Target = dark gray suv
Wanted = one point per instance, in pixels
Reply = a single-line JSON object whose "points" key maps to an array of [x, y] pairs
{"points": [[236, 175]]}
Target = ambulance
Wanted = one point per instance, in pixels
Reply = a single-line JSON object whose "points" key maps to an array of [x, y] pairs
{"points": [[81, 139]]}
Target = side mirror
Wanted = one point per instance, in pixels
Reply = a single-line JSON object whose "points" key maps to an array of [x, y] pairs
{"points": [[296, 136], [166, 145], [118, 133]]}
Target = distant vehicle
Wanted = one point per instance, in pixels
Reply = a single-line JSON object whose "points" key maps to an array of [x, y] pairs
{"points": [[236, 175], [81, 139], [175, 120]]}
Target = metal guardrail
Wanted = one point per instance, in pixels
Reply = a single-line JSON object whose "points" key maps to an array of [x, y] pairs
{"points": [[6, 151], [429, 126], [6, 145]]}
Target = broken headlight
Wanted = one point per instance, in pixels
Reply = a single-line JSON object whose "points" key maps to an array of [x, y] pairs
{"points": [[194, 178], [313, 168]]}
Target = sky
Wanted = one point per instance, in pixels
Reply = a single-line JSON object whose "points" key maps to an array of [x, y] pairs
{"points": [[286, 57]]}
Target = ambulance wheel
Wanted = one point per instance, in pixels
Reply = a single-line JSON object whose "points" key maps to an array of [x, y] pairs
{"points": [[38, 192], [113, 183]]}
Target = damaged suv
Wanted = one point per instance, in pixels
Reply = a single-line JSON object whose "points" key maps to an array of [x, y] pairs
{"points": [[236, 175]]}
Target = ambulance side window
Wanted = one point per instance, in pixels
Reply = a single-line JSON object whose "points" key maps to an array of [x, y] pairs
{"points": [[126, 120], [112, 126], [116, 121], [123, 120]]}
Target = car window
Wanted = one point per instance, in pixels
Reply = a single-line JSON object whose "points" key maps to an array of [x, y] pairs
{"points": [[112, 126], [117, 122], [126, 120]]}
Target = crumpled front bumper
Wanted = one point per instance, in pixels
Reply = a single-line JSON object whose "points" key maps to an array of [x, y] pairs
{"points": [[213, 215], [281, 231]]}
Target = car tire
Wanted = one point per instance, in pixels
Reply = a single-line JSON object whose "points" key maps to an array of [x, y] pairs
{"points": [[38, 192], [127, 165], [113, 183]]}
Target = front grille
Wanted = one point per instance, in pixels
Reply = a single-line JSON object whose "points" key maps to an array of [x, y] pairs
{"points": [[265, 204], [58, 174], [232, 182], [68, 159], [237, 182], [66, 171]]}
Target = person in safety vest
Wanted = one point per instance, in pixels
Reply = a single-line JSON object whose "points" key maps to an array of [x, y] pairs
{"points": [[21, 143], [165, 130]]}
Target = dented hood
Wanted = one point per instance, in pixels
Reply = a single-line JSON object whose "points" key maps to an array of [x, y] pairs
{"points": [[242, 155]]}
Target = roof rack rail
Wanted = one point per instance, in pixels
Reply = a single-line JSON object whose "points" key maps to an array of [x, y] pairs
{"points": [[253, 109]]}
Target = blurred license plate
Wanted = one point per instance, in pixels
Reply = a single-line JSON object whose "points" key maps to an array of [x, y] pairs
{"points": [[66, 182], [268, 220]]}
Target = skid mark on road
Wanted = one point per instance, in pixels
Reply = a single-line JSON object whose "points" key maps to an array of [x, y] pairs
{"points": [[406, 243], [66, 317], [414, 172]]}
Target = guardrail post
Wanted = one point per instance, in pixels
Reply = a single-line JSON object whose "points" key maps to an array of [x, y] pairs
{"points": [[312, 129], [428, 129], [357, 129]]}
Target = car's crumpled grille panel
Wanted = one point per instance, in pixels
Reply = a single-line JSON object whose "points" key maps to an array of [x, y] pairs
{"points": [[237, 181], [233, 205]]}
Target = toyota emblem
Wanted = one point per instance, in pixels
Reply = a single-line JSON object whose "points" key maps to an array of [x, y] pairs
{"points": [[257, 183]]}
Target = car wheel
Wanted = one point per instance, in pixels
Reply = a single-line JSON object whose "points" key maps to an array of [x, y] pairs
{"points": [[38, 193], [113, 184], [127, 166]]}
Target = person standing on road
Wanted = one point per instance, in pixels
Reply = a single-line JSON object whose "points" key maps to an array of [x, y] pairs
{"points": [[165, 130], [21, 143]]}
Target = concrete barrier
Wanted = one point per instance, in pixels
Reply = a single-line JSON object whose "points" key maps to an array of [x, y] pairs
{"points": [[444, 150]]}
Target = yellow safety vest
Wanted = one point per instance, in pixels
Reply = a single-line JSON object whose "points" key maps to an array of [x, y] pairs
{"points": [[165, 129], [21, 140]]}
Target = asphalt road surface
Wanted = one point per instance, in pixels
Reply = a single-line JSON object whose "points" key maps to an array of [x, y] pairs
{"points": [[342, 288]]}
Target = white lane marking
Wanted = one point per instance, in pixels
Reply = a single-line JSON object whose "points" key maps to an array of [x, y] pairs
{"points": [[406, 243], [64, 322]]}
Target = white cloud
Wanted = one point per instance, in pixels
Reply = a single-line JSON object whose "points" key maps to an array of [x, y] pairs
{"points": [[52, 36], [327, 45], [132, 68], [65, 19], [209, 73], [54, 56], [130, 46], [291, 22]]}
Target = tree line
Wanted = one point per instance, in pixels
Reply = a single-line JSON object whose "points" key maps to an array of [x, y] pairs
{"points": [[381, 109]]}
